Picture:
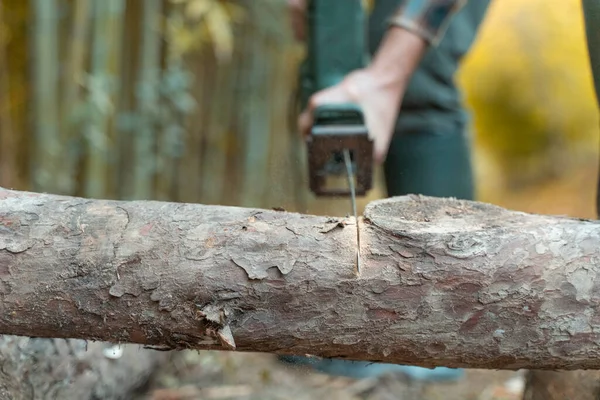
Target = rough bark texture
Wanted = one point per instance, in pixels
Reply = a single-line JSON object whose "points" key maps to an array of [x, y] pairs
{"points": [[443, 282], [32, 369]]}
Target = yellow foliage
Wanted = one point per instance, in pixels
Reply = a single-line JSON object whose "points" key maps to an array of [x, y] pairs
{"points": [[204, 21], [528, 82], [15, 100]]}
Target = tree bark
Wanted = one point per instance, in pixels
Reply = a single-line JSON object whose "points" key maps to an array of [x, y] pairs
{"points": [[442, 282], [32, 369]]}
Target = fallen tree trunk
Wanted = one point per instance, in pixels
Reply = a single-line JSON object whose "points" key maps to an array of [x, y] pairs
{"points": [[442, 282]]}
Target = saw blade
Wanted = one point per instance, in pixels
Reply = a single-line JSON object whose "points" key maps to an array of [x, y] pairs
{"points": [[348, 163]]}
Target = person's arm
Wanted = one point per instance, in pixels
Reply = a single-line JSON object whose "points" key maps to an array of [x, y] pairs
{"points": [[415, 25], [378, 88]]}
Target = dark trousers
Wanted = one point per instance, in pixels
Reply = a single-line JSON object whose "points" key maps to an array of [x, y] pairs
{"points": [[430, 163]]}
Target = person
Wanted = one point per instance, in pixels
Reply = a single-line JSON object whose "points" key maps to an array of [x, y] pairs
{"points": [[414, 112]]}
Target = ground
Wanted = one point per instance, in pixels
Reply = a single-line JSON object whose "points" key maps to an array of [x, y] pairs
{"points": [[221, 375], [226, 375]]}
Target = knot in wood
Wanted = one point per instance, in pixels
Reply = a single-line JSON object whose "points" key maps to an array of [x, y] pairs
{"points": [[462, 246]]}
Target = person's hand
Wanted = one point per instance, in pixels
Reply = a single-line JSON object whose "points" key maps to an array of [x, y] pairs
{"points": [[379, 101], [378, 89], [297, 9]]}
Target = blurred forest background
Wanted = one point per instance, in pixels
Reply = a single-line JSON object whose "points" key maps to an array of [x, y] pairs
{"points": [[190, 101]]}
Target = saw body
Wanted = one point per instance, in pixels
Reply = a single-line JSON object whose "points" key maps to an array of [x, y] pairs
{"points": [[336, 46]]}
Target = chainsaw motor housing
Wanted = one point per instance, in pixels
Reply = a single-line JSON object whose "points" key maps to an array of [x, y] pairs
{"points": [[338, 127]]}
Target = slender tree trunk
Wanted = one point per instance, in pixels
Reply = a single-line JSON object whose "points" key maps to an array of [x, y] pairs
{"points": [[47, 171], [147, 94], [71, 91], [8, 167], [443, 282], [107, 26]]}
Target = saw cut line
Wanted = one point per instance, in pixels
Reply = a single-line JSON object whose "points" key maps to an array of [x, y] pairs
{"points": [[353, 200]]}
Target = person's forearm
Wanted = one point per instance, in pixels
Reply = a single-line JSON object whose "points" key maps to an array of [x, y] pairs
{"points": [[415, 25], [398, 56]]}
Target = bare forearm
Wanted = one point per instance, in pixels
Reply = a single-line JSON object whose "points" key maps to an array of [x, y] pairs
{"points": [[398, 56]]}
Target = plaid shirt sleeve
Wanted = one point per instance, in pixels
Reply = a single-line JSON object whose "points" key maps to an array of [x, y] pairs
{"points": [[427, 18]]}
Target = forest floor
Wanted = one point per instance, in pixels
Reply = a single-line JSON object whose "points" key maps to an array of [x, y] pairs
{"points": [[249, 376], [223, 375]]}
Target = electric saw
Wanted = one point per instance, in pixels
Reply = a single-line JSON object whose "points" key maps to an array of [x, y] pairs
{"points": [[339, 143]]}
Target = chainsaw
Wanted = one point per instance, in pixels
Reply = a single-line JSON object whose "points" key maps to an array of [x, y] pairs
{"points": [[338, 143]]}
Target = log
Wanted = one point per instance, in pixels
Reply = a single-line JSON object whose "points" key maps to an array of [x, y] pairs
{"points": [[443, 282]]}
